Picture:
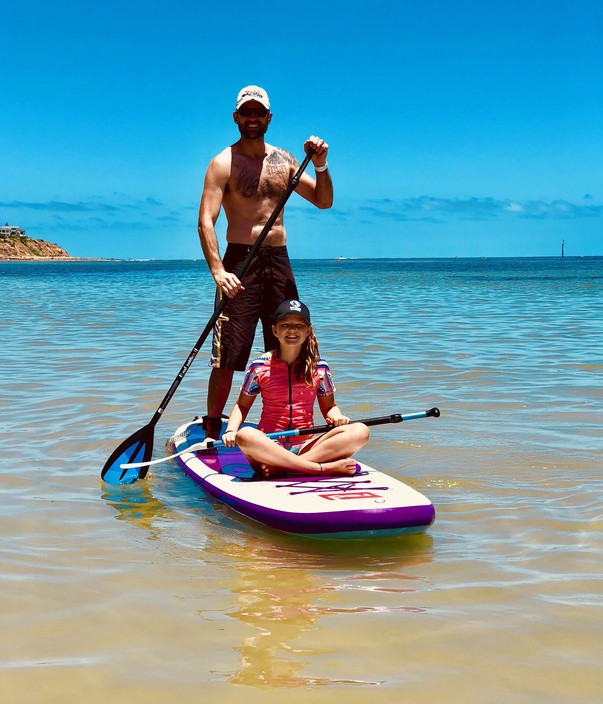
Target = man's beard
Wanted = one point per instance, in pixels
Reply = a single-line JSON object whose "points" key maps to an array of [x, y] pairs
{"points": [[255, 133]]}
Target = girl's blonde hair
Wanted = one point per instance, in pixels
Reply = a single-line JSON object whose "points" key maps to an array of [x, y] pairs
{"points": [[307, 362]]}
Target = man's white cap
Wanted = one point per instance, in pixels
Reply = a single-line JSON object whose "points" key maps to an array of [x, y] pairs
{"points": [[253, 93]]}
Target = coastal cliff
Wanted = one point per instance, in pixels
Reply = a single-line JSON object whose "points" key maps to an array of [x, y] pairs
{"points": [[21, 247]]}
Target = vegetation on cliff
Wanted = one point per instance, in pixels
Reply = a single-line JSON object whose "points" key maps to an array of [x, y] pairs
{"points": [[23, 247]]}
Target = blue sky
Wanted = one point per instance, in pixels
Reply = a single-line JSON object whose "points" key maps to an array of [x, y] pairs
{"points": [[455, 129]]}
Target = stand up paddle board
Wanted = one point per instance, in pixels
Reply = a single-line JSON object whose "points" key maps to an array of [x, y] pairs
{"points": [[365, 505]]}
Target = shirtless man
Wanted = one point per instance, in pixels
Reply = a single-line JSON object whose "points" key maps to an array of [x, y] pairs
{"points": [[247, 179]]}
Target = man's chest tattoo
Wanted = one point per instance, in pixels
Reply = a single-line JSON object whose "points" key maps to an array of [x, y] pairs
{"points": [[267, 180]]}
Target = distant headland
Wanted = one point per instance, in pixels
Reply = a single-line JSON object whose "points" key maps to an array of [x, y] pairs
{"points": [[15, 245]]}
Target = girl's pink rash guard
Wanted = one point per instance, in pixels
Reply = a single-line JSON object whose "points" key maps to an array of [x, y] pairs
{"points": [[287, 403]]}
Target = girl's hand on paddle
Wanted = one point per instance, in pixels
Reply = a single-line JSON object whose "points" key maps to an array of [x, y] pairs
{"points": [[335, 417], [228, 283]]}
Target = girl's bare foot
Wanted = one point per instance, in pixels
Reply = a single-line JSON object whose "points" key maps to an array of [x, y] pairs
{"points": [[346, 467], [267, 472]]}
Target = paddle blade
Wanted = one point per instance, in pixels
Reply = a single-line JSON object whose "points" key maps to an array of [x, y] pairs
{"points": [[137, 448]]}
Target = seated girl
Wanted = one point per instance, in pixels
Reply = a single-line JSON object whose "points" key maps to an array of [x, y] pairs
{"points": [[289, 379]]}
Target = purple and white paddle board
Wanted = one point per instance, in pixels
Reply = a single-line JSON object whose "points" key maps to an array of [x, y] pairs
{"points": [[368, 504]]}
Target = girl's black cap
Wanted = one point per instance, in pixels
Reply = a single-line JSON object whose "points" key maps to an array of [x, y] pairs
{"points": [[292, 307]]}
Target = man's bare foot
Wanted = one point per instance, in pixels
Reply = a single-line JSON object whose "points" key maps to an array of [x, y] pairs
{"points": [[212, 427]]}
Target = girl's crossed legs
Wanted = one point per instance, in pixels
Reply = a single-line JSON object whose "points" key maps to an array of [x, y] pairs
{"points": [[328, 454]]}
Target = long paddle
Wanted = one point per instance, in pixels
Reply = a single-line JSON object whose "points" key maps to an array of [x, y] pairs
{"points": [[139, 446], [284, 434]]}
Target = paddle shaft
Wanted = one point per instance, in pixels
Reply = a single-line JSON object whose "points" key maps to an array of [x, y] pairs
{"points": [[318, 429], [142, 439], [243, 269], [282, 435]]}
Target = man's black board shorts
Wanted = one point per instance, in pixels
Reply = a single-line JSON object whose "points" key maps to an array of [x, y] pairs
{"points": [[268, 282]]}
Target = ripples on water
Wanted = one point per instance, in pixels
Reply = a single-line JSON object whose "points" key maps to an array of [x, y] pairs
{"points": [[151, 592]]}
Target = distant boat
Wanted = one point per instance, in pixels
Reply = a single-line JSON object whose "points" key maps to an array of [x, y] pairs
{"points": [[340, 259]]}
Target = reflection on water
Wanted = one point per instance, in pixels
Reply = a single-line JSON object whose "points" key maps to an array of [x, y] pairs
{"points": [[283, 585], [283, 593], [136, 504]]}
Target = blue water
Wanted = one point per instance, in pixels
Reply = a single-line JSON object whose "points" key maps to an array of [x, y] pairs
{"points": [[500, 601]]}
